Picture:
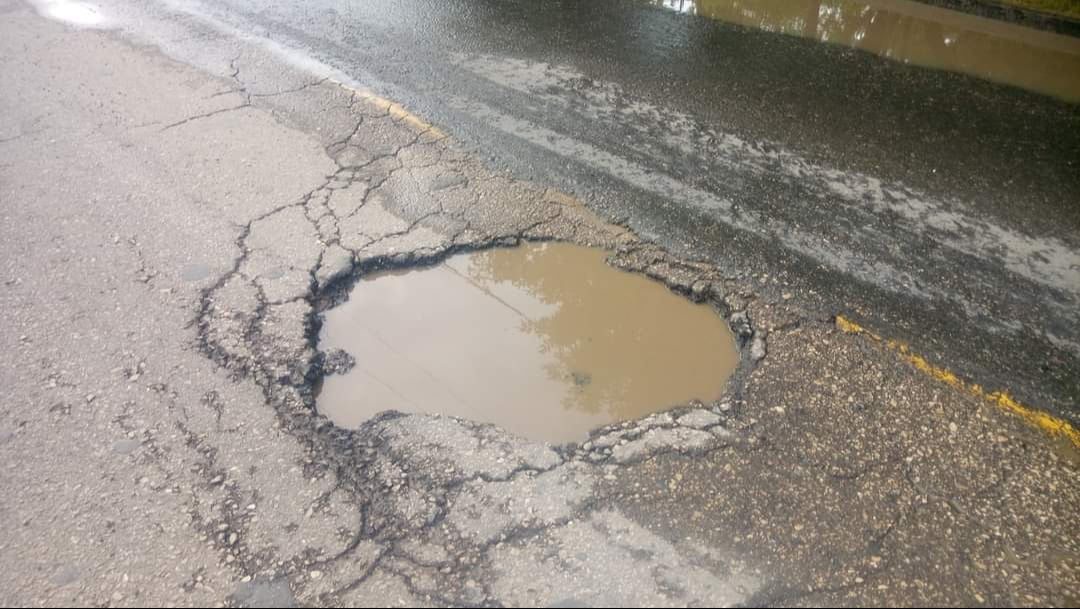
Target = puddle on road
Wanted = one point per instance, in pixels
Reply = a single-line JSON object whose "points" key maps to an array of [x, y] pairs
{"points": [[545, 340], [916, 33]]}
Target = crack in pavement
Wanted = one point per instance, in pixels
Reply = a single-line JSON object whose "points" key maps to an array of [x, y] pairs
{"points": [[204, 115], [383, 204]]}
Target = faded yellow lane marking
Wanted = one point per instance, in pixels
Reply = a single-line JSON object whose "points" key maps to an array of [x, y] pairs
{"points": [[396, 110], [1050, 424]]}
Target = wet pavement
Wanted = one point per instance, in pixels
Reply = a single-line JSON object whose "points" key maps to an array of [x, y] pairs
{"points": [[915, 33], [545, 340], [185, 203], [933, 206]]}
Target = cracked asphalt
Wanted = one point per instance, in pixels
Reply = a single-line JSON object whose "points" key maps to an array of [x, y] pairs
{"points": [[171, 232]]}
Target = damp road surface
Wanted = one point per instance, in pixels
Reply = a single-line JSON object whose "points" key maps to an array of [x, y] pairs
{"points": [[199, 199], [914, 168]]}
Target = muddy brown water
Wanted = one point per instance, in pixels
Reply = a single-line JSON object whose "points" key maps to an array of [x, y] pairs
{"points": [[916, 33], [545, 340]]}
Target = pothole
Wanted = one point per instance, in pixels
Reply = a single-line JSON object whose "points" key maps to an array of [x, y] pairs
{"points": [[545, 340]]}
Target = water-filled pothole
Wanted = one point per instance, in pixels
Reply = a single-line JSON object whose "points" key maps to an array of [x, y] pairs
{"points": [[545, 340]]}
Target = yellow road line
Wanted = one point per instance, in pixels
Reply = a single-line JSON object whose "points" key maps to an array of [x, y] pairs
{"points": [[396, 110], [1050, 424]]}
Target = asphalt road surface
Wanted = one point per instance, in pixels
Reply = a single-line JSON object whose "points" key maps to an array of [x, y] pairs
{"points": [[186, 186], [941, 209]]}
